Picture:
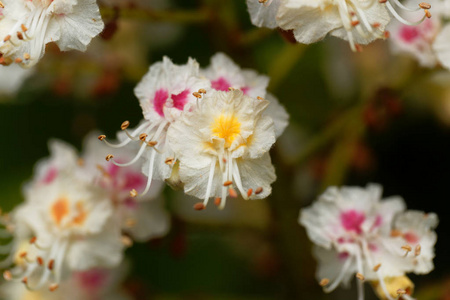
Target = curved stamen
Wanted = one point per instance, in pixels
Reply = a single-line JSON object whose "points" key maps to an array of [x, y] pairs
{"points": [[134, 160], [150, 173], [340, 276], [360, 282], [238, 181], [399, 18], [210, 181], [133, 135], [399, 4]]}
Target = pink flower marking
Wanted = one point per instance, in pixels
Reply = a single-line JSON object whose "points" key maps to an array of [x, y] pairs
{"points": [[409, 34], [220, 84], [159, 101], [50, 176], [411, 237], [180, 100], [352, 220], [92, 280]]}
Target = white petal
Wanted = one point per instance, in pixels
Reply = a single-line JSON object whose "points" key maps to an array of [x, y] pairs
{"points": [[278, 114], [261, 15]]}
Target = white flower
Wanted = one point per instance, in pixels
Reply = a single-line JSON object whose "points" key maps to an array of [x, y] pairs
{"points": [[163, 93], [416, 230], [223, 144], [353, 233], [358, 21], [93, 284], [142, 217], [225, 74], [27, 26], [71, 228]]}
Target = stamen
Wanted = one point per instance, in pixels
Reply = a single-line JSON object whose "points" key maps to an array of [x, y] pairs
{"points": [[109, 157], [227, 183], [249, 192], [417, 250], [199, 206], [340, 276], [398, 17], [134, 160], [324, 282], [142, 137], [133, 193], [125, 125], [424, 5], [360, 276], [376, 268], [407, 248], [210, 181]]}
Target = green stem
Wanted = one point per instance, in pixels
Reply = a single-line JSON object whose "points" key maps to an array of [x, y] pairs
{"points": [[283, 64]]}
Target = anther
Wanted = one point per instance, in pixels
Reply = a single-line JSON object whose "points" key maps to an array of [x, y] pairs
{"points": [[407, 248], [19, 35], [427, 13], [387, 34], [169, 160], [396, 233], [25, 280], [23, 254], [143, 136], [53, 287], [133, 193], [354, 23], [152, 143], [80, 162], [258, 190], [217, 201], [324, 282], [125, 125], [7, 275], [109, 157], [197, 95], [231, 89], [40, 261], [358, 47], [232, 193], [51, 264], [228, 183], [102, 137], [127, 241], [1, 5], [249, 192], [33, 240], [376, 25], [24, 28], [260, 98], [7, 38], [18, 60], [202, 91], [360, 276], [199, 206], [26, 56], [424, 5], [376, 268], [417, 250], [130, 223], [382, 1], [401, 292], [262, 1]]}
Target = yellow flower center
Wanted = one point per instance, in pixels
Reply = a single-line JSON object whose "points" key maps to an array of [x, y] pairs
{"points": [[61, 209], [226, 127]]}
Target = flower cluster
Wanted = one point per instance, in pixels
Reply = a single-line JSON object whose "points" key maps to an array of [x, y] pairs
{"points": [[356, 234], [358, 21], [26, 26], [428, 42], [78, 216], [209, 131]]}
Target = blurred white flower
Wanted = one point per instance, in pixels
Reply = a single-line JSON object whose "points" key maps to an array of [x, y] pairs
{"points": [[27, 26], [71, 228], [353, 235], [427, 42], [163, 94], [358, 21], [93, 284], [142, 217], [223, 144]]}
